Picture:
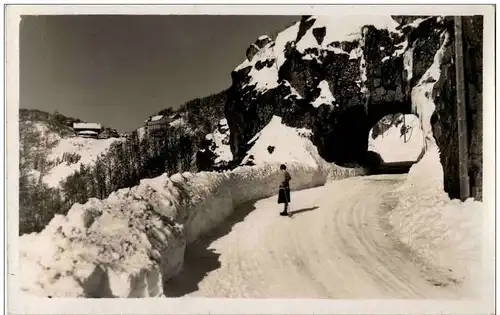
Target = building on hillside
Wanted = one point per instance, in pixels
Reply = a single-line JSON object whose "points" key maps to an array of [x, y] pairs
{"points": [[157, 124], [87, 130]]}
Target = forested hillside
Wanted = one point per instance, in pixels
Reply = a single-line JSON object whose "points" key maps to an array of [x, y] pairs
{"points": [[123, 164]]}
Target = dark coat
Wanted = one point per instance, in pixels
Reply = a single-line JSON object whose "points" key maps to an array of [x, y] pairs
{"points": [[284, 192]]}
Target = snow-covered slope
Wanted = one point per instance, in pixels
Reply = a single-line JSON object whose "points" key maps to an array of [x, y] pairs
{"points": [[277, 143], [87, 149], [391, 143], [49, 148]]}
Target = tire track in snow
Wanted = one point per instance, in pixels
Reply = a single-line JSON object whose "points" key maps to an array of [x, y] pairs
{"points": [[338, 245]]}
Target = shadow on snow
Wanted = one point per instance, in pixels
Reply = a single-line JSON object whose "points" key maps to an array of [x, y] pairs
{"points": [[199, 259]]}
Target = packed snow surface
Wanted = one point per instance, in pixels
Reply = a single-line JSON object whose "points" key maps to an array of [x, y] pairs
{"points": [[391, 144], [88, 150], [336, 244]]}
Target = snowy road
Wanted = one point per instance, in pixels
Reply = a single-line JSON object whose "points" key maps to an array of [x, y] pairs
{"points": [[338, 244]]}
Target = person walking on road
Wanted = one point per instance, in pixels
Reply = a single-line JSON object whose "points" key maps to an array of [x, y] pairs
{"points": [[284, 190]]}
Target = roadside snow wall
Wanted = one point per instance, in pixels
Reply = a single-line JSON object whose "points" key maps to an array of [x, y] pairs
{"points": [[446, 233], [130, 243]]}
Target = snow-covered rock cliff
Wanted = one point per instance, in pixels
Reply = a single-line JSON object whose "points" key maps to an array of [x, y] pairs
{"points": [[339, 75]]}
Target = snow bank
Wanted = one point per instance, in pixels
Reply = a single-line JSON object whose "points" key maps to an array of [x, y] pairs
{"points": [[447, 233], [391, 144], [104, 248], [88, 150], [130, 243]]}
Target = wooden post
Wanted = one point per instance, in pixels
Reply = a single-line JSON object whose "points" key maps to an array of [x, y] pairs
{"points": [[463, 155]]}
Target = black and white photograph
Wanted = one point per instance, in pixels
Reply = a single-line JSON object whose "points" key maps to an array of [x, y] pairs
{"points": [[327, 154]]}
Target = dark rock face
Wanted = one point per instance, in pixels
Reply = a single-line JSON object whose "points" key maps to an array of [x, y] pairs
{"points": [[444, 122], [262, 41], [251, 51], [368, 77]]}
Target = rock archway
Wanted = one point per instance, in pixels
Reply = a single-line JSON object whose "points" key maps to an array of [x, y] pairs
{"points": [[341, 89]]}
